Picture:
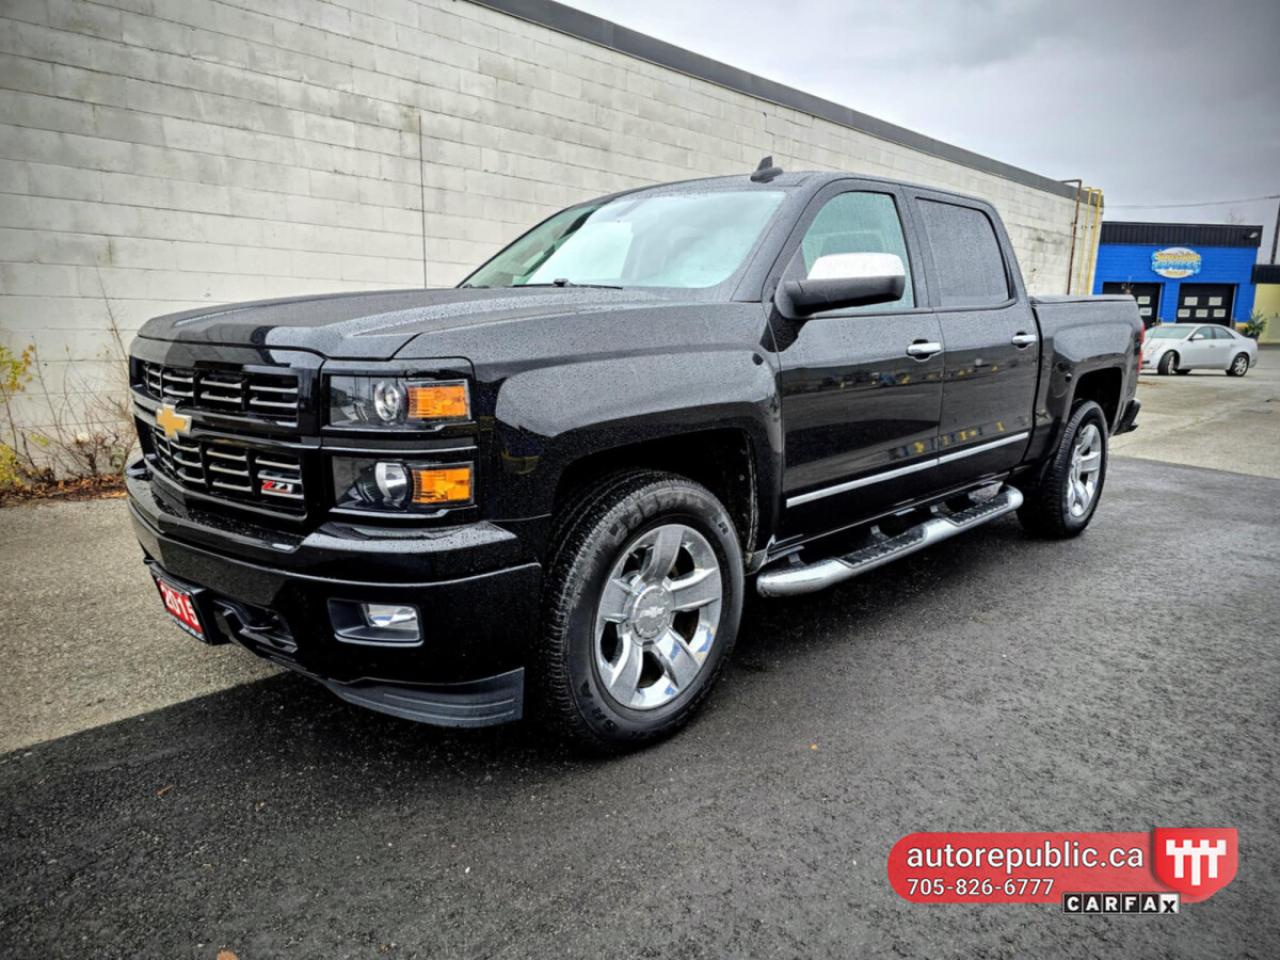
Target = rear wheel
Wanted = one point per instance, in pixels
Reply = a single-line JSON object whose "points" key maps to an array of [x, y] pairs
{"points": [[1169, 363], [1239, 366], [641, 609], [1064, 499]]}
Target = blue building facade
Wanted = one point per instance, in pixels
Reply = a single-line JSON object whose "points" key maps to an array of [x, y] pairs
{"points": [[1181, 272]]}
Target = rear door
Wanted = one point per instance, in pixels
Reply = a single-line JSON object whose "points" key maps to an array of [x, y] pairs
{"points": [[1221, 347], [861, 387], [992, 340]]}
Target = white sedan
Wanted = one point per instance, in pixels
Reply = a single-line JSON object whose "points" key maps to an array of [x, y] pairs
{"points": [[1183, 347]]}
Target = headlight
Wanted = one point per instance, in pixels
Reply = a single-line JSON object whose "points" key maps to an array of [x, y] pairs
{"points": [[400, 485], [396, 402]]}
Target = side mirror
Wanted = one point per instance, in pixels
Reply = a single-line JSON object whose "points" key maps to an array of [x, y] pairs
{"points": [[840, 280], [1197, 336]]}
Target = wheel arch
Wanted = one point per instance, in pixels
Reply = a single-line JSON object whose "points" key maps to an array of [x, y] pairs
{"points": [[724, 460], [1104, 387]]}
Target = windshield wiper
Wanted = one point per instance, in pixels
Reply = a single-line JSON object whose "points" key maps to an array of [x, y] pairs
{"points": [[565, 282]]}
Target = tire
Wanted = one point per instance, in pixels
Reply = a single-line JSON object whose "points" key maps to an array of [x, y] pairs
{"points": [[1049, 509], [618, 665], [1239, 365], [1168, 363], [1183, 371]]}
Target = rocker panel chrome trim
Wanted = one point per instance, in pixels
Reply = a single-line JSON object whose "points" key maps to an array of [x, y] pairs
{"points": [[866, 481]]}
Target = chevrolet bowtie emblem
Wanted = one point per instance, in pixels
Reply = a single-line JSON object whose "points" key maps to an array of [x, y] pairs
{"points": [[171, 421]]}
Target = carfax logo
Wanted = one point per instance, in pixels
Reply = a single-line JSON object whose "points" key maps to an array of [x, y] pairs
{"points": [[1147, 904]]}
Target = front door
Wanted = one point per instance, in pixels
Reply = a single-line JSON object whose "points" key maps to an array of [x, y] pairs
{"points": [[1208, 347], [1206, 302], [992, 341], [860, 412]]}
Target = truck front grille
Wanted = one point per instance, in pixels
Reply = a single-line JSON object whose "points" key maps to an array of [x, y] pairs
{"points": [[266, 396], [224, 469]]}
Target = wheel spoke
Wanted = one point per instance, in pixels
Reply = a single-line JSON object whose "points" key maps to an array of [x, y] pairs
{"points": [[645, 609], [1089, 462], [613, 602], [678, 662], [695, 590], [662, 553], [624, 677]]}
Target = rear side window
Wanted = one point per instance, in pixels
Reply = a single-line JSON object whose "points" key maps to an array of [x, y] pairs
{"points": [[968, 265]]}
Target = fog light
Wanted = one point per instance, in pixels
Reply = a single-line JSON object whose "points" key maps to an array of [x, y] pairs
{"points": [[393, 482], [388, 616], [383, 624]]}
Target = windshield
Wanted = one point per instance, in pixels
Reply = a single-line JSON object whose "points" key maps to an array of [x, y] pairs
{"points": [[1172, 332], [683, 240]]}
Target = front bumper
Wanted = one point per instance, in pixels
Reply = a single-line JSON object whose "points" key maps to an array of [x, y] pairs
{"points": [[269, 592]]}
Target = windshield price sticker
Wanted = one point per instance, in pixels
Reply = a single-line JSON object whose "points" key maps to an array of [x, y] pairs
{"points": [[1115, 873]]}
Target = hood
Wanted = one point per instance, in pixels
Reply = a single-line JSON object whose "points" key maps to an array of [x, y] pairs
{"points": [[376, 326]]}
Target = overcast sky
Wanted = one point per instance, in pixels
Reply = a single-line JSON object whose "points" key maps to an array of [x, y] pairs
{"points": [[1154, 101]]}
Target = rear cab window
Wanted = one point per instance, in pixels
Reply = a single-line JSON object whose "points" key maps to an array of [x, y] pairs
{"points": [[968, 265]]}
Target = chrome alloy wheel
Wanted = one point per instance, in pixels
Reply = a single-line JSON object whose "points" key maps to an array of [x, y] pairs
{"points": [[1240, 366], [1086, 468], [657, 618]]}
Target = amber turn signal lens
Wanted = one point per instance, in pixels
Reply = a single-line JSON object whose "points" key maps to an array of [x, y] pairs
{"points": [[441, 485], [438, 401]]}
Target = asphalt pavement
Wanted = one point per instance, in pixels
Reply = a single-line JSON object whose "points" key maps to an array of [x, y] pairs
{"points": [[163, 799]]}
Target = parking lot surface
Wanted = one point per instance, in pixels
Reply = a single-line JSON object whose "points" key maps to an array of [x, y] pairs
{"points": [[1124, 680], [1207, 419]]}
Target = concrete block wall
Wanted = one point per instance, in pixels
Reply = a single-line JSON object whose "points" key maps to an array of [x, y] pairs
{"points": [[157, 155]]}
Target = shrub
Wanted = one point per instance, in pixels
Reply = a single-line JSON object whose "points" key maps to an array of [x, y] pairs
{"points": [[1256, 325]]}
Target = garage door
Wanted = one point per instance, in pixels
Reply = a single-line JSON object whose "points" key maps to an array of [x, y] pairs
{"points": [[1147, 295], [1203, 302]]}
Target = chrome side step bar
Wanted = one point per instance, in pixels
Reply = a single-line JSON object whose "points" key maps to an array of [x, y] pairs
{"points": [[806, 578]]}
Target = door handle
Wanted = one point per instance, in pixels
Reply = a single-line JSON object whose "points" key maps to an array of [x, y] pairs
{"points": [[1023, 339], [923, 349]]}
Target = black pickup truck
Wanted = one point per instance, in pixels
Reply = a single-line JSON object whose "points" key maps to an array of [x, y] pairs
{"points": [[561, 476]]}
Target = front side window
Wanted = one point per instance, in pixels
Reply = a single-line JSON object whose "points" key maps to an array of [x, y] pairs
{"points": [[681, 240], [856, 222]]}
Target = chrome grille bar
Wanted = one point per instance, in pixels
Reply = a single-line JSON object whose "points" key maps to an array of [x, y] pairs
{"points": [[273, 397], [271, 479]]}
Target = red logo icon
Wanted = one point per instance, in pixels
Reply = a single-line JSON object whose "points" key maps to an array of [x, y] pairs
{"points": [[1195, 861]]}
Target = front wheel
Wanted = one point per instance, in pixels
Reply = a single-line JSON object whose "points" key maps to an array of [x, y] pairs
{"points": [[641, 608], [1239, 366], [1063, 500], [1168, 363]]}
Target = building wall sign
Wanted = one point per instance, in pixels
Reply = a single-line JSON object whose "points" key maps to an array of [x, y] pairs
{"points": [[1175, 262]]}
